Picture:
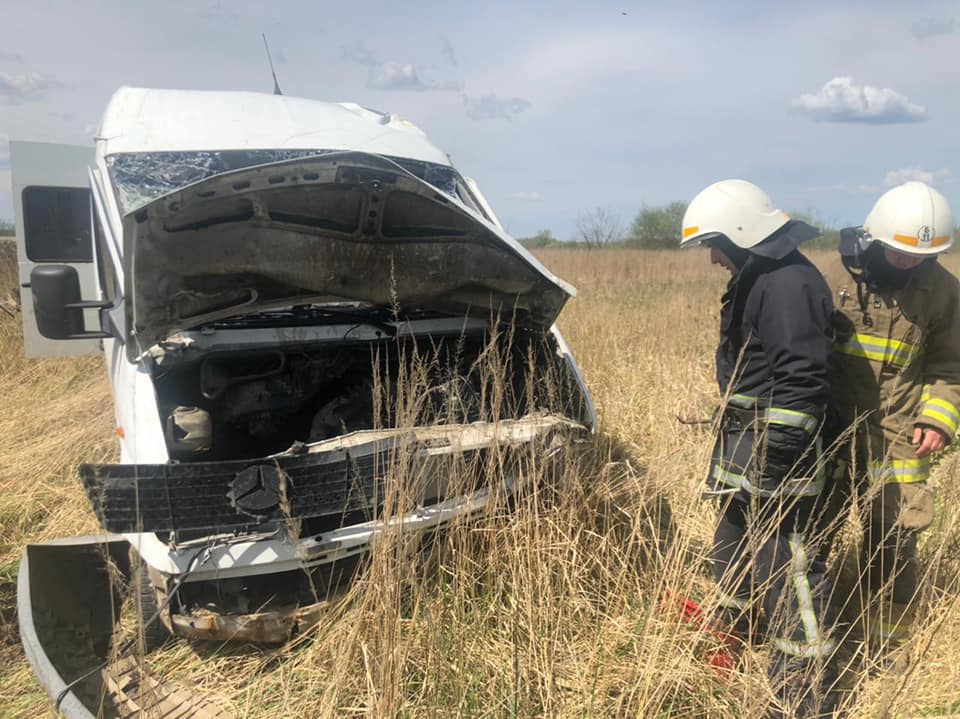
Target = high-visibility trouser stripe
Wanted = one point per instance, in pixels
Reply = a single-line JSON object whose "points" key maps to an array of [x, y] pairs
{"points": [[814, 645], [790, 418], [804, 650], [879, 349], [728, 601], [801, 586], [902, 471], [799, 487]]}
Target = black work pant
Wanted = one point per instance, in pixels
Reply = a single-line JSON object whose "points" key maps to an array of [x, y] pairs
{"points": [[766, 563]]}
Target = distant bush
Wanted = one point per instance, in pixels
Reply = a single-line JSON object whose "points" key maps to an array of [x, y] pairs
{"points": [[544, 238], [657, 228], [6, 228]]}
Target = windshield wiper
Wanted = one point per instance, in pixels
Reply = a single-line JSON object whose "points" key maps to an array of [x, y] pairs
{"points": [[373, 317]]}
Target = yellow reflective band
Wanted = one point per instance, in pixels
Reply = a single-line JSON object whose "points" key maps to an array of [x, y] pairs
{"points": [[803, 650], [775, 415], [941, 409], [688, 231], [790, 418], [795, 487], [878, 349], [743, 401], [902, 471], [883, 342], [933, 413]]}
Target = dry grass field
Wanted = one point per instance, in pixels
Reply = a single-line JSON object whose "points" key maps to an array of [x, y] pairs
{"points": [[551, 610]]}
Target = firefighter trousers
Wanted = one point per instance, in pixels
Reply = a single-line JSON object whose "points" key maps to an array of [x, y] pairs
{"points": [[766, 563], [893, 515]]}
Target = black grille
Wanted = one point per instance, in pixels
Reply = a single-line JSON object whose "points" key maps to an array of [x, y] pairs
{"points": [[234, 494]]}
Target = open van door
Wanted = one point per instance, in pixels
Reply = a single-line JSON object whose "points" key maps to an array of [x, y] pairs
{"points": [[51, 200]]}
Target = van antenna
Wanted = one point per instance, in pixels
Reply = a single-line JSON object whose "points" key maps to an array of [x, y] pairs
{"points": [[276, 85]]}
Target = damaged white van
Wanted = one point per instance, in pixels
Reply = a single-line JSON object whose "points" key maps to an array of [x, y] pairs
{"points": [[292, 298]]}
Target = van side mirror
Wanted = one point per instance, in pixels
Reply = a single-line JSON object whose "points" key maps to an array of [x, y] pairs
{"points": [[57, 304]]}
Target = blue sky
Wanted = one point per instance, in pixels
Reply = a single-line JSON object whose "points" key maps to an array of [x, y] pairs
{"points": [[553, 107]]}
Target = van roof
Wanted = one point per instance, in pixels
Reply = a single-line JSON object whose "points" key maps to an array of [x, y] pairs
{"points": [[151, 120]]}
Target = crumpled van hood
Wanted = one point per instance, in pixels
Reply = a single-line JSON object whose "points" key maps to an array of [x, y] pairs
{"points": [[332, 228]]}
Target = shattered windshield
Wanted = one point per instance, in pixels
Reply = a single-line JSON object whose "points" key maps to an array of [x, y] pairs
{"points": [[141, 177]]}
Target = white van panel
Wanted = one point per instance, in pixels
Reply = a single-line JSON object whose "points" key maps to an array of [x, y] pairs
{"points": [[35, 166]]}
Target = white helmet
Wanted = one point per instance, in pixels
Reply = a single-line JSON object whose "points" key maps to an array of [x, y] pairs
{"points": [[912, 218], [735, 208]]}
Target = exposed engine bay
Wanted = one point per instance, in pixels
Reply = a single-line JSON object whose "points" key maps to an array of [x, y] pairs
{"points": [[235, 404]]}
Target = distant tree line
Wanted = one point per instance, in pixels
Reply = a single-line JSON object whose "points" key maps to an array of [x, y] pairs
{"points": [[653, 228], [6, 228]]}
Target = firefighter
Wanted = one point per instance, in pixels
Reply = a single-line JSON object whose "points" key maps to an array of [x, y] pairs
{"points": [[897, 386], [773, 370]]}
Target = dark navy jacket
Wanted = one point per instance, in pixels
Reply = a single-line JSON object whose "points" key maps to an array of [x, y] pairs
{"points": [[773, 365]]}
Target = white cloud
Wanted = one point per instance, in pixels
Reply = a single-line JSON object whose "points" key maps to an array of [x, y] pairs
{"points": [[932, 26], [932, 178], [491, 107], [526, 196], [218, 12], [392, 75], [840, 100], [17, 88]]}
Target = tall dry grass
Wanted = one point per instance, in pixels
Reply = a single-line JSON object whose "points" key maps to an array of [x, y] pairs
{"points": [[549, 610]]}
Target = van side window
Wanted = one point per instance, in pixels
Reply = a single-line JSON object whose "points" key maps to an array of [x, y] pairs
{"points": [[105, 270], [56, 224]]}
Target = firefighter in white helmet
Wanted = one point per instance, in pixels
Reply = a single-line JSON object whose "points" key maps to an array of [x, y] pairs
{"points": [[773, 373], [897, 385]]}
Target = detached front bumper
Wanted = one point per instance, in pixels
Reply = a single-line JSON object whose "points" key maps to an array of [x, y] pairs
{"points": [[256, 568], [351, 473]]}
